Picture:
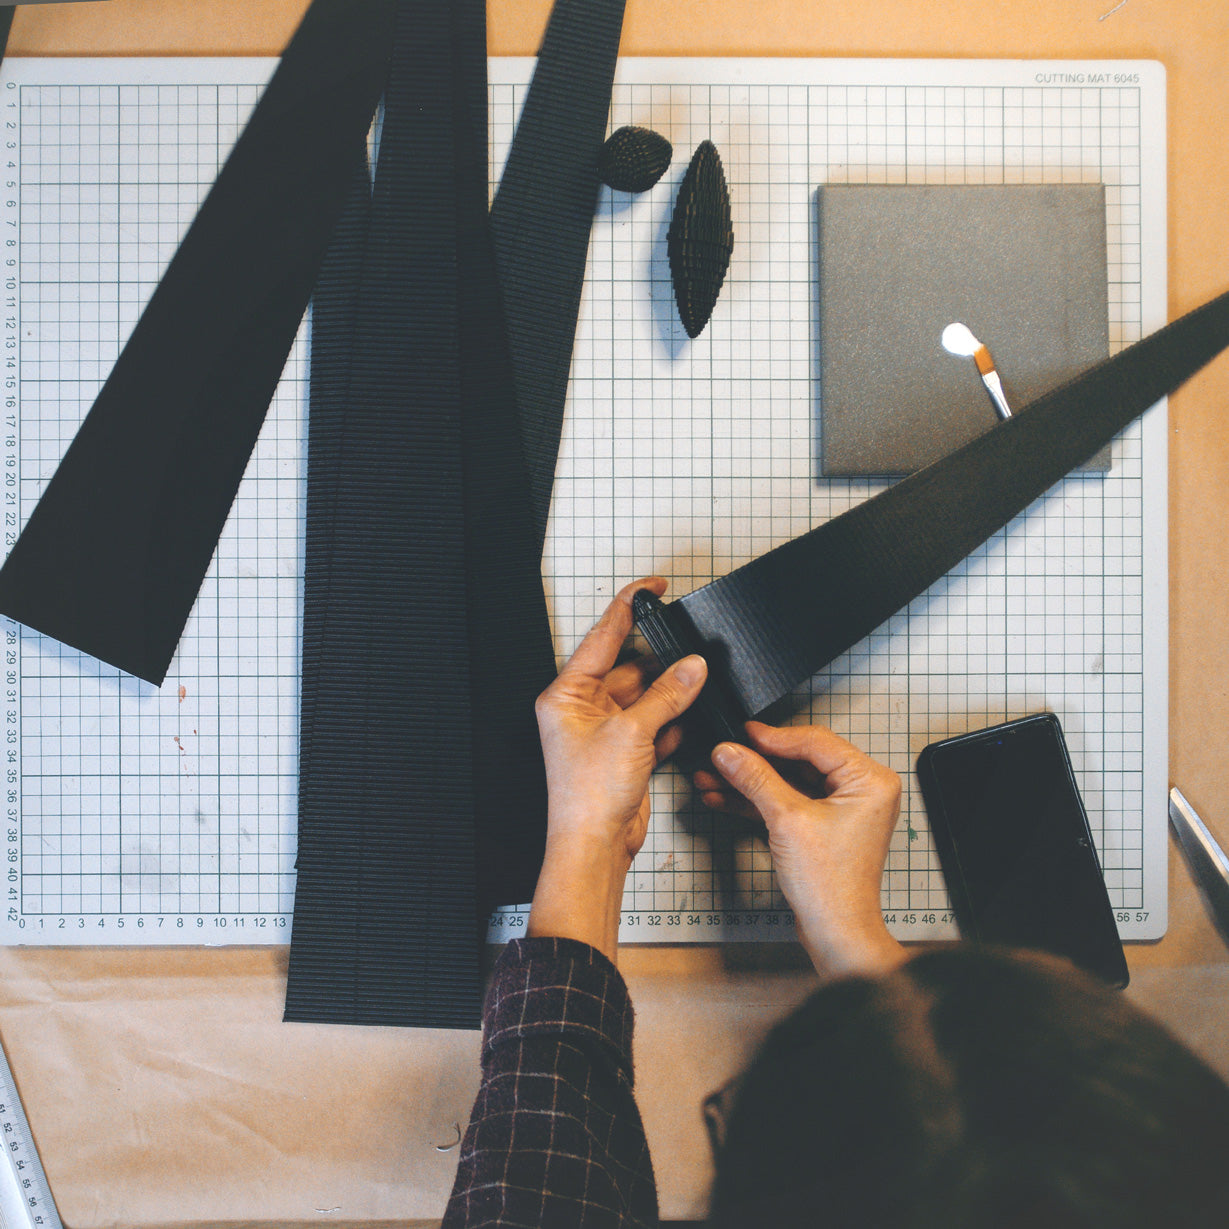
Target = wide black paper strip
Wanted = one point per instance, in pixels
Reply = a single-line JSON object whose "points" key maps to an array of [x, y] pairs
{"points": [[113, 555], [542, 216], [774, 622], [384, 925], [422, 794], [512, 655]]}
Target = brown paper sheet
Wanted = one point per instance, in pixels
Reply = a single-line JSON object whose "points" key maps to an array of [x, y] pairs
{"points": [[161, 1084]]}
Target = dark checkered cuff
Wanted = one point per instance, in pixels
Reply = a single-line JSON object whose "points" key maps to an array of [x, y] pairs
{"points": [[547, 987]]}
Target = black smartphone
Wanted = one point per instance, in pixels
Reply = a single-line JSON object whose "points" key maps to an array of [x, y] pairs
{"points": [[1015, 847]]}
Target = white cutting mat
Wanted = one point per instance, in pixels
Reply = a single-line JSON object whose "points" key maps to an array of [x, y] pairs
{"points": [[167, 815]]}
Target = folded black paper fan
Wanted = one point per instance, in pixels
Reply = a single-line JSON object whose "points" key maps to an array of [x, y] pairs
{"points": [[700, 239], [633, 159]]}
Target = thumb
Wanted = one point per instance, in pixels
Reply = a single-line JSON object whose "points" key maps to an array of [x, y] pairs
{"points": [[670, 696], [756, 779]]}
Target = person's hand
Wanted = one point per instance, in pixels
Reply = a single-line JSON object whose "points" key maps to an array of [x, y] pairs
{"points": [[604, 729], [829, 827]]}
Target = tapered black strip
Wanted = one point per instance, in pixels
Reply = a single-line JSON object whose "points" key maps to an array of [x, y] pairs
{"points": [[386, 924], [112, 558], [6, 25], [542, 216], [334, 320], [512, 656], [776, 621]]}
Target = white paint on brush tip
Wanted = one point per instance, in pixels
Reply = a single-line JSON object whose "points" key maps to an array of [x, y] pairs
{"points": [[958, 339]]}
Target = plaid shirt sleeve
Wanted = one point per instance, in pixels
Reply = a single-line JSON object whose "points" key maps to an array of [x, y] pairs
{"points": [[555, 1138]]}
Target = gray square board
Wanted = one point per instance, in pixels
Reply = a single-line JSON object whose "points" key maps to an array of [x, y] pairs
{"points": [[1023, 265]]}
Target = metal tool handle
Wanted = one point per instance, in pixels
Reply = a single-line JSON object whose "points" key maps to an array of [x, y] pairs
{"points": [[994, 386], [1206, 859]]}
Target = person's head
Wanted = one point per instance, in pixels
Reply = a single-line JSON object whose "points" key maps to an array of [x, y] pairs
{"points": [[974, 1089]]}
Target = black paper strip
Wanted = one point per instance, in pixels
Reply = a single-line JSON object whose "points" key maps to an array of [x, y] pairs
{"points": [[425, 623], [112, 558], [542, 216], [512, 656], [6, 25], [384, 925], [334, 319], [774, 622]]}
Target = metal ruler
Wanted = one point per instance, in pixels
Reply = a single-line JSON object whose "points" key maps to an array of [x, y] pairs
{"points": [[25, 1196]]}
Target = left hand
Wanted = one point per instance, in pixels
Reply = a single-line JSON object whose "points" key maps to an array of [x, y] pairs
{"points": [[604, 729], [830, 820]]}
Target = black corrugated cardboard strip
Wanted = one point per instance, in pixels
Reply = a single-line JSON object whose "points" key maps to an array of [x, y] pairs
{"points": [[773, 623], [384, 926], [426, 639], [113, 555], [542, 216], [334, 312], [512, 655]]}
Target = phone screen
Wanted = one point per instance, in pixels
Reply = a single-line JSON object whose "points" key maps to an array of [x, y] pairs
{"points": [[1015, 846]]}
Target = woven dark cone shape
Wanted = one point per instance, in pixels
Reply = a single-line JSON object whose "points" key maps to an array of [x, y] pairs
{"points": [[700, 239], [633, 159]]}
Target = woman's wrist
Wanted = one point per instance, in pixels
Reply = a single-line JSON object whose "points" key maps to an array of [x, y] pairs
{"points": [[580, 893], [866, 949]]}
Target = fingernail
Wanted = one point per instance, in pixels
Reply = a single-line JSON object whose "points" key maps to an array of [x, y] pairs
{"points": [[726, 756], [690, 670]]}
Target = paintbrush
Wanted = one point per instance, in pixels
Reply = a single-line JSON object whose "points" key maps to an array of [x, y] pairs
{"points": [[958, 339]]}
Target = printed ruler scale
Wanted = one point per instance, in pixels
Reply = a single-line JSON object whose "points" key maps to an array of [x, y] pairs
{"points": [[25, 1196], [138, 815]]}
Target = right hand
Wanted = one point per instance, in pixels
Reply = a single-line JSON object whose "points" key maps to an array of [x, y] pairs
{"points": [[829, 827]]}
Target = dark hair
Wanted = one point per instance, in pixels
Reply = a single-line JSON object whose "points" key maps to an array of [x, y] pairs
{"points": [[974, 1089]]}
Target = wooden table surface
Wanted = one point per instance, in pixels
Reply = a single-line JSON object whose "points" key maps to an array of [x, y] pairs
{"points": [[162, 1085]]}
